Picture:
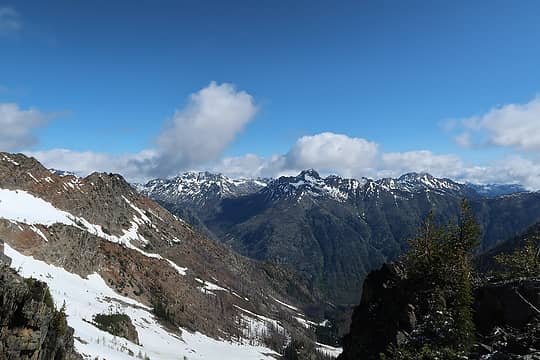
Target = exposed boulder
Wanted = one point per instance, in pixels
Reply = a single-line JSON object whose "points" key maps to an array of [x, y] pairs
{"points": [[30, 326], [4, 260], [509, 303], [384, 315], [506, 316]]}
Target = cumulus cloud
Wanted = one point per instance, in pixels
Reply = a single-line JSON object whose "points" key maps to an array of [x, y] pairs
{"points": [[19, 126], [513, 125], [201, 131], [397, 163], [10, 21], [367, 160], [329, 152], [195, 135], [85, 162], [464, 140]]}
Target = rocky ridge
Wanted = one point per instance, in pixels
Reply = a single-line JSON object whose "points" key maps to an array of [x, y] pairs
{"points": [[506, 317], [143, 252], [31, 328]]}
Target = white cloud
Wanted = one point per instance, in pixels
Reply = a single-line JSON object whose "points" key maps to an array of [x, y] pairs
{"points": [[18, 126], [329, 152], [398, 163], [10, 21], [195, 135], [201, 131], [249, 165], [83, 163], [464, 140], [326, 153], [139, 167], [513, 125]]}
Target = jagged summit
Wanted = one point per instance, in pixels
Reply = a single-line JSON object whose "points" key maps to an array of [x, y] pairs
{"points": [[199, 187], [206, 188], [414, 182], [309, 174]]}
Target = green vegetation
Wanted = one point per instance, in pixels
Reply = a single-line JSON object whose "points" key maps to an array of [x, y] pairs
{"points": [[163, 314], [298, 349], [60, 321], [522, 262], [112, 323], [439, 275], [39, 291]]}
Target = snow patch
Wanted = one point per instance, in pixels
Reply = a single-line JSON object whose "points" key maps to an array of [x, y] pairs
{"points": [[84, 298]]}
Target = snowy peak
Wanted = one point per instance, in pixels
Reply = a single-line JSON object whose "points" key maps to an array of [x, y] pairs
{"points": [[309, 182], [205, 189], [414, 182], [309, 175], [199, 187]]}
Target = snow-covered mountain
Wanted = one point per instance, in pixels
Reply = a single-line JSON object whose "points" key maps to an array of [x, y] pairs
{"points": [[199, 188], [203, 189], [309, 182], [336, 229], [103, 248]]}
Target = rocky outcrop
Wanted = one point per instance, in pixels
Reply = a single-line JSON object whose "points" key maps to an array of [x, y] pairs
{"points": [[145, 253], [383, 316], [506, 316], [4, 260], [30, 327]]}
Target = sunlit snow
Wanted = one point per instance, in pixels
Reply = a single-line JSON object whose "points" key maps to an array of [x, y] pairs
{"points": [[86, 297]]}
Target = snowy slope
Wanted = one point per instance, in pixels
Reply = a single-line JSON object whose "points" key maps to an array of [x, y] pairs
{"points": [[22, 207], [85, 298]]}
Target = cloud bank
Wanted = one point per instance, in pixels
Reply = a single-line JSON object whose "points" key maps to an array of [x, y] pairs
{"points": [[200, 132], [515, 126], [18, 126], [195, 137]]}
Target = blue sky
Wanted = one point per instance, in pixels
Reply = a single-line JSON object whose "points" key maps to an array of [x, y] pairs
{"points": [[106, 77]]}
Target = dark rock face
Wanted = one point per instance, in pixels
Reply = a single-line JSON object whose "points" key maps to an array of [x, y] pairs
{"points": [[382, 316], [30, 327], [514, 303], [506, 316], [4, 260]]}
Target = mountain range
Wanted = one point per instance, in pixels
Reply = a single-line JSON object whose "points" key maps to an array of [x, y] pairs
{"points": [[206, 266], [335, 230]]}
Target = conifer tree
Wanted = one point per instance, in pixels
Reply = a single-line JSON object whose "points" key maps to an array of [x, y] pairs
{"points": [[439, 275], [523, 262]]}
